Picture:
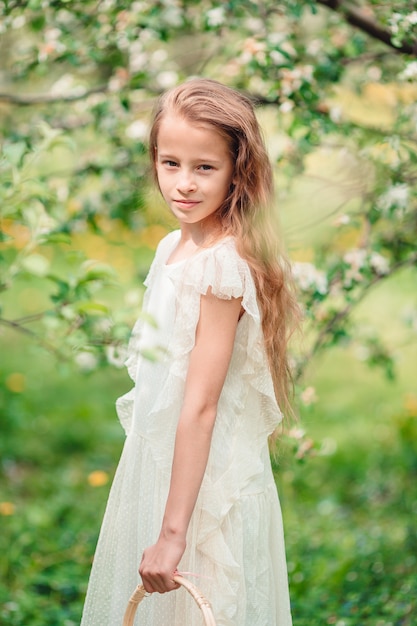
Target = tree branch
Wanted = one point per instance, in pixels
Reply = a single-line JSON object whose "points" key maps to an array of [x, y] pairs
{"points": [[357, 18], [18, 326], [50, 98], [339, 316]]}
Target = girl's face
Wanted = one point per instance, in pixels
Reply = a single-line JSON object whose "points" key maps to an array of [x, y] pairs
{"points": [[194, 169]]}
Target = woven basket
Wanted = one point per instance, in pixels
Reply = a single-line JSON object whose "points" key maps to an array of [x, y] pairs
{"points": [[139, 593]]}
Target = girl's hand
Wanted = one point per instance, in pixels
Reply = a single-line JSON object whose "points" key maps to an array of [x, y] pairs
{"points": [[159, 564]]}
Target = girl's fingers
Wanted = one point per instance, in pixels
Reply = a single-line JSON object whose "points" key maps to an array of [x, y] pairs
{"points": [[158, 584], [159, 566]]}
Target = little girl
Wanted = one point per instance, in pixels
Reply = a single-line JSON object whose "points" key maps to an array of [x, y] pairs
{"points": [[194, 490]]}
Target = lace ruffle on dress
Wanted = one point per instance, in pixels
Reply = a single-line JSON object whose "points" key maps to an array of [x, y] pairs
{"points": [[235, 538]]}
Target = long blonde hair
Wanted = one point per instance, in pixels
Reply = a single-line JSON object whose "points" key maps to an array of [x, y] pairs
{"points": [[246, 213]]}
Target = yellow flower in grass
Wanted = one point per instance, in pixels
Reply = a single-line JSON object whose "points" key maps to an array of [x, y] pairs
{"points": [[98, 478], [7, 508], [410, 404], [16, 382]]}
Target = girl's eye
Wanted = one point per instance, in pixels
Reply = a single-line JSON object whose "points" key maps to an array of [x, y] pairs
{"points": [[206, 168], [170, 163]]}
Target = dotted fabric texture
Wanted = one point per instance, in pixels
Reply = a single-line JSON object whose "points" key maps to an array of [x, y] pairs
{"points": [[235, 539]]}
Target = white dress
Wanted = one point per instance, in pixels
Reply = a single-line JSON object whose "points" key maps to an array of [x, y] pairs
{"points": [[235, 538]]}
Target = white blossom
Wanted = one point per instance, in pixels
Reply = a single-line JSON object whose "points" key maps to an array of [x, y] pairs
{"points": [[328, 446], [159, 57], [106, 5], [277, 57], [412, 18], [292, 80], [52, 34], [308, 396], [133, 297], [116, 355], [64, 85], [39, 221], [167, 79], [138, 59], [46, 224], [396, 19], [116, 82], [314, 47], [410, 71], [137, 130], [276, 38], [18, 22], [62, 192], [336, 114], [252, 49], [395, 197], [379, 263], [355, 257], [65, 17], [253, 24], [286, 106], [86, 361], [216, 17], [356, 260], [296, 433], [172, 16], [123, 42], [374, 72], [342, 220], [308, 277], [289, 48], [104, 325], [139, 7]]}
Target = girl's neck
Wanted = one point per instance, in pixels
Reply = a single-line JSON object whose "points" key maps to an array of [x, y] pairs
{"points": [[201, 235], [194, 237]]}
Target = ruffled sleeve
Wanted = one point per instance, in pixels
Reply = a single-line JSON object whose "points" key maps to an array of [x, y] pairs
{"points": [[125, 404]]}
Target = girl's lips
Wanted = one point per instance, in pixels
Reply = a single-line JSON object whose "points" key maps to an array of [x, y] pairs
{"points": [[186, 203]]}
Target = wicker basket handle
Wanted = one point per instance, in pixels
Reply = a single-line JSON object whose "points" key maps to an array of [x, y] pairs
{"points": [[139, 593]]}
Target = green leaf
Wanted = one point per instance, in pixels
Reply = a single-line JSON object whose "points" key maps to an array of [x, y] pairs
{"points": [[89, 307], [63, 288], [14, 152], [36, 264], [56, 238], [91, 270]]}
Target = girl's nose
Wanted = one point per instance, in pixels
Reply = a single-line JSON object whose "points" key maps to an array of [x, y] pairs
{"points": [[186, 183]]}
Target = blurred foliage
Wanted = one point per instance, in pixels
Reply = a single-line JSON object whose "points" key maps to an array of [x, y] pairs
{"points": [[336, 85], [78, 82]]}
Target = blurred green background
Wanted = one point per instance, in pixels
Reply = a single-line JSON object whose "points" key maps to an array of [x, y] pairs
{"points": [[346, 473], [349, 507]]}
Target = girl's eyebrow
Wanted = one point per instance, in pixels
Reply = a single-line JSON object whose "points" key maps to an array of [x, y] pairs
{"points": [[172, 157]]}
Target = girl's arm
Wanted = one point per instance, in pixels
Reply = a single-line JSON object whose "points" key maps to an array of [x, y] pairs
{"points": [[209, 362]]}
